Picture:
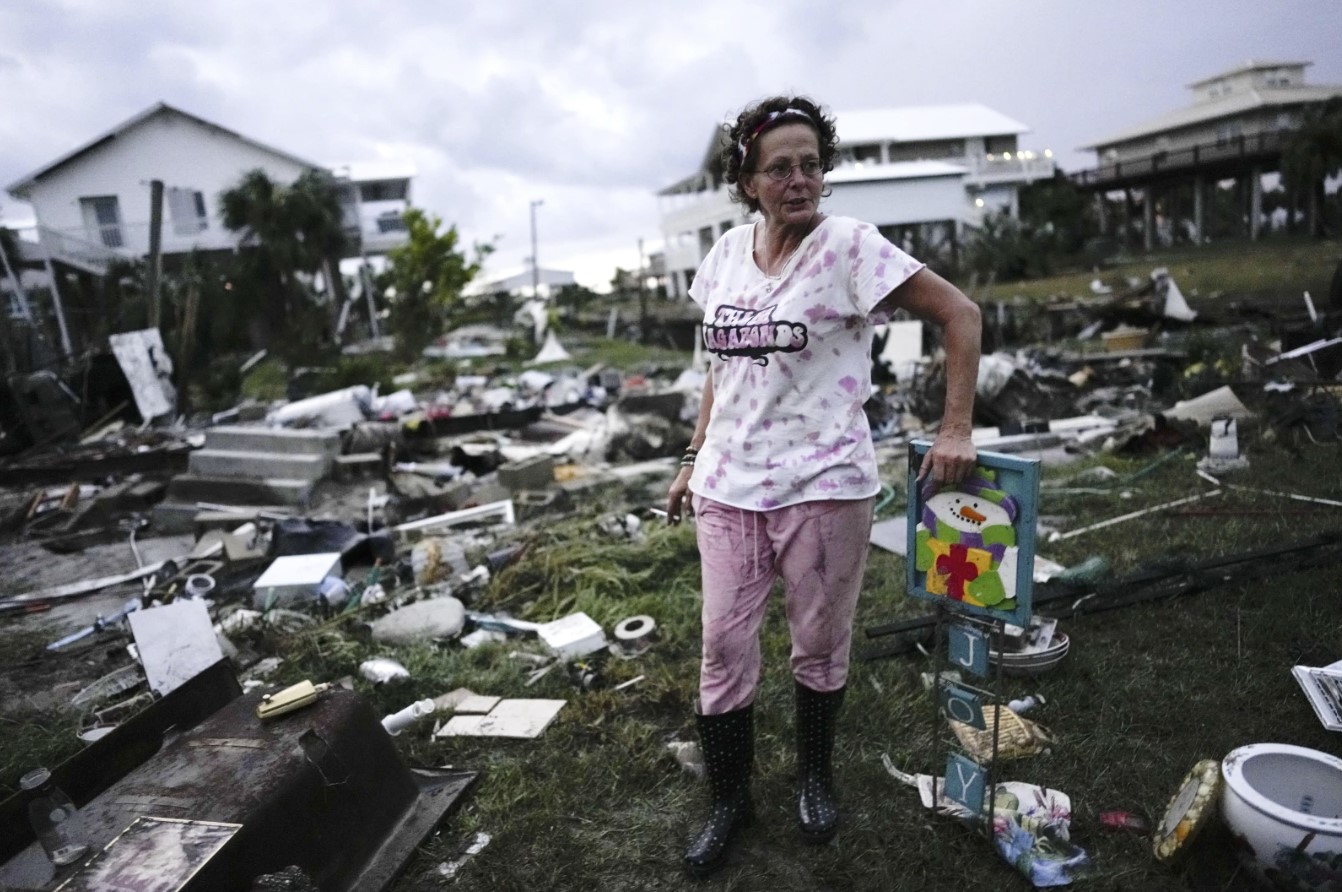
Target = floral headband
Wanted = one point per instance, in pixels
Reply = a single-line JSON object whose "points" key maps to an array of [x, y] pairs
{"points": [[743, 147]]}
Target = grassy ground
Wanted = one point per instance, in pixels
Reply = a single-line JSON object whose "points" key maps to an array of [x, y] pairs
{"points": [[598, 802], [1283, 266]]}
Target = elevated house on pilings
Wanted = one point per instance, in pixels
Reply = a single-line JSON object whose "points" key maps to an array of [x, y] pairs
{"points": [[922, 174], [1236, 129], [94, 205]]}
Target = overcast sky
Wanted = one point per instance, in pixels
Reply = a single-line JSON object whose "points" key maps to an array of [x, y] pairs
{"points": [[594, 106]]}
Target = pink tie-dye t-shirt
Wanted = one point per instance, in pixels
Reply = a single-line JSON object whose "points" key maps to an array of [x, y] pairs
{"points": [[791, 366]]}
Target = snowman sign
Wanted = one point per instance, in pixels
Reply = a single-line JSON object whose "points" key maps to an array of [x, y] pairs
{"points": [[971, 545]]}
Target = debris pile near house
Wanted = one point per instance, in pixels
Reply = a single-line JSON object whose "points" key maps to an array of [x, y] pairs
{"points": [[349, 516]]}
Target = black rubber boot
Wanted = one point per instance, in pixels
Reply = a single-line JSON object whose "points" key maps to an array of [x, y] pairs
{"points": [[728, 742], [817, 809]]}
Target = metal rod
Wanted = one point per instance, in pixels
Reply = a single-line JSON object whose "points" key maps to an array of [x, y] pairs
{"points": [[938, 751], [998, 632]]}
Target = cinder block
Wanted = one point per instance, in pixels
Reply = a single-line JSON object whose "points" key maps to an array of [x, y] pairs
{"points": [[531, 473], [531, 503]]}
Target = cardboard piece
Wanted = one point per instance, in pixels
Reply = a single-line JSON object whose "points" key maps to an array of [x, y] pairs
{"points": [[891, 535], [148, 370], [524, 719]]}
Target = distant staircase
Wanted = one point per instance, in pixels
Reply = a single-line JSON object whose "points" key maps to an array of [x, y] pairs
{"points": [[249, 468]]}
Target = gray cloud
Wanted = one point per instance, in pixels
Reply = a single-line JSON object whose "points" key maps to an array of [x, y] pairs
{"points": [[595, 104]]}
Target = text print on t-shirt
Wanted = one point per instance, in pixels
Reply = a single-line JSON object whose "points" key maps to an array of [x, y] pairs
{"points": [[739, 331]]}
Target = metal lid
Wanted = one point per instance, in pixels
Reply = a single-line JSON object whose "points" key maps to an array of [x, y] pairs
{"points": [[34, 779]]}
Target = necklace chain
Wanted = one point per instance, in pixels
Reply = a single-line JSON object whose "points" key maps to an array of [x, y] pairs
{"points": [[783, 266]]}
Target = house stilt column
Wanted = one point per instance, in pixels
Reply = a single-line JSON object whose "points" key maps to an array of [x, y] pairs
{"points": [[1148, 218], [1199, 210], [1255, 203]]}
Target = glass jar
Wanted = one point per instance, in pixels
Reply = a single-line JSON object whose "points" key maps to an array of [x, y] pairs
{"points": [[49, 813]]}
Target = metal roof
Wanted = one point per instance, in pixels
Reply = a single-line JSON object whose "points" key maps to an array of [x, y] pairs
{"points": [[20, 187], [898, 170], [373, 171], [1250, 65], [1222, 107], [912, 123], [921, 123]]}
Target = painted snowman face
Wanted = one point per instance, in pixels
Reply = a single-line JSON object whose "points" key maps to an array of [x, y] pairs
{"points": [[968, 513]]}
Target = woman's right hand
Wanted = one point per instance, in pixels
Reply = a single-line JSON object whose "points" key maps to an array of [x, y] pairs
{"points": [[678, 497]]}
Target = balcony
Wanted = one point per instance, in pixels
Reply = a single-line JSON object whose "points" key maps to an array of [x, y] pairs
{"points": [[1009, 167], [71, 247], [1225, 158]]}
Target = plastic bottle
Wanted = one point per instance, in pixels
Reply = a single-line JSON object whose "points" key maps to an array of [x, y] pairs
{"points": [[49, 812]]}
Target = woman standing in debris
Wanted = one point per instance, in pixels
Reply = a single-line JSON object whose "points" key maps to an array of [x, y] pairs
{"points": [[781, 464]]}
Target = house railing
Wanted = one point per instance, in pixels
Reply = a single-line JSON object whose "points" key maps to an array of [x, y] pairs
{"points": [[72, 248], [1243, 147], [1016, 168]]}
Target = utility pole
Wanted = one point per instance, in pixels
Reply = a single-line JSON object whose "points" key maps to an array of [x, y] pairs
{"points": [[155, 272], [535, 258], [642, 296]]}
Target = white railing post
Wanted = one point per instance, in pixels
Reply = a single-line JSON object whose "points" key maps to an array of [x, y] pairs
{"points": [[56, 299]]}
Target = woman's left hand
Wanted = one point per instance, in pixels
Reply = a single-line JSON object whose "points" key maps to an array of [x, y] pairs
{"points": [[950, 460]]}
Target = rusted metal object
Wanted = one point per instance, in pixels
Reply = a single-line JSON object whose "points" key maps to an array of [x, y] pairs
{"points": [[322, 789], [100, 764]]}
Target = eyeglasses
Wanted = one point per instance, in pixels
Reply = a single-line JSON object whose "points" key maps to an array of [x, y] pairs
{"points": [[811, 168]]}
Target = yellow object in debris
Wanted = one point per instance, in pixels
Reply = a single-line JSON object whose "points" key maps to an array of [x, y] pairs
{"points": [[290, 699], [564, 473]]}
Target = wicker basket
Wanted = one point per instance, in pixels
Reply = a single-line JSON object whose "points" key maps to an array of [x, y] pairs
{"points": [[1019, 738]]}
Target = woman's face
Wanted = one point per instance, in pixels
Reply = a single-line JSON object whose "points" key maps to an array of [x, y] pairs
{"points": [[794, 199]]}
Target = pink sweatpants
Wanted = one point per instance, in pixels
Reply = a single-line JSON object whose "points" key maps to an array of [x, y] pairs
{"points": [[820, 551]]}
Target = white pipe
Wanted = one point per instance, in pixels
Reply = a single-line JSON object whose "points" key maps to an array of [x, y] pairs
{"points": [[1287, 495], [399, 721], [1058, 537]]}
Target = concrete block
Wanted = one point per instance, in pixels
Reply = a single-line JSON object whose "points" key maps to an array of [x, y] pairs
{"points": [[234, 463], [537, 472], [242, 438], [171, 518]]}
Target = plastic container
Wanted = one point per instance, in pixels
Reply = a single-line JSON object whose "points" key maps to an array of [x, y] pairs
{"points": [[49, 813]]}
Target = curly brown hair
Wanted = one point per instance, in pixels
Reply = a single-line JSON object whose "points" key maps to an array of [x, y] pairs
{"points": [[753, 121]]}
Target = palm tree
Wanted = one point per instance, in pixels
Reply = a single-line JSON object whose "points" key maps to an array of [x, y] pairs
{"points": [[1314, 154], [290, 233]]}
